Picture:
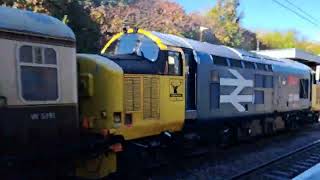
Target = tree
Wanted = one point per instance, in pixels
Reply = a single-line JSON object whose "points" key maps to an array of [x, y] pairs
{"points": [[86, 30], [249, 40], [224, 20], [157, 15], [288, 39], [278, 39]]}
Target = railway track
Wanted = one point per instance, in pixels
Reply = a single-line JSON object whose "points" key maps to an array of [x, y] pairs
{"points": [[287, 166]]}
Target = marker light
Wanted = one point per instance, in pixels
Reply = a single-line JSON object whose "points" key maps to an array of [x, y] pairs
{"points": [[85, 123], [117, 117], [116, 147]]}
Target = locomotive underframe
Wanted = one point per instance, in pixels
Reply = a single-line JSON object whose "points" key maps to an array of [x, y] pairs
{"points": [[198, 134]]}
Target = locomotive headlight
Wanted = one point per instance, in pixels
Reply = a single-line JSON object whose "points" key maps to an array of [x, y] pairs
{"points": [[117, 117], [3, 101]]}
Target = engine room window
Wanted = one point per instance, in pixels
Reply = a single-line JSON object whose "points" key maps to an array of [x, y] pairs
{"points": [[268, 82], [174, 63], [258, 81], [134, 44], [235, 63], [38, 73], [261, 67], [221, 61], [249, 65], [258, 97], [304, 88], [204, 57]]}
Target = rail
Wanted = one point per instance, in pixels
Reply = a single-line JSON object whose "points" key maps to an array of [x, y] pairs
{"points": [[286, 166]]}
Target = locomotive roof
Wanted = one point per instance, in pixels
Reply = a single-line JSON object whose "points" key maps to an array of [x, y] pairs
{"points": [[164, 40], [228, 52], [26, 22]]}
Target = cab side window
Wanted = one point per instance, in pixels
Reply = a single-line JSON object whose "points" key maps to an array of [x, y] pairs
{"points": [[174, 64]]}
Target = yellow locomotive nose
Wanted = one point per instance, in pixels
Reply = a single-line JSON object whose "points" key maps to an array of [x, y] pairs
{"points": [[101, 106], [101, 93]]}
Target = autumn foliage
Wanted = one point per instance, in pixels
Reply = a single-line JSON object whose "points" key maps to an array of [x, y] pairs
{"points": [[95, 21], [288, 39]]}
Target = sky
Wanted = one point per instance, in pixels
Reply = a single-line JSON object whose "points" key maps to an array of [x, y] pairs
{"points": [[266, 15]]}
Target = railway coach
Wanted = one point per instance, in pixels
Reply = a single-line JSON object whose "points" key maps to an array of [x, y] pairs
{"points": [[40, 129], [150, 88], [38, 83]]}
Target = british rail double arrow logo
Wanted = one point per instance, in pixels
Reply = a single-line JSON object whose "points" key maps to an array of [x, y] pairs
{"points": [[234, 98]]}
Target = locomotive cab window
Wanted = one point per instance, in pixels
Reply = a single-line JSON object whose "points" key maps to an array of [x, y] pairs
{"points": [[174, 64], [134, 44], [38, 73]]}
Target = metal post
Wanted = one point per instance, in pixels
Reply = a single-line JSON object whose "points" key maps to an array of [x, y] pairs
{"points": [[202, 29]]}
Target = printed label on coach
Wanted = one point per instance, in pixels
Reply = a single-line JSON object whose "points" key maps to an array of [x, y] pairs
{"points": [[176, 90], [43, 116]]}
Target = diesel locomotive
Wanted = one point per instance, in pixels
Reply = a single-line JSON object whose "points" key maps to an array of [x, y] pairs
{"points": [[164, 87], [145, 91]]}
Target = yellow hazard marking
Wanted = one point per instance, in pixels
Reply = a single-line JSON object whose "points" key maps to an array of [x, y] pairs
{"points": [[113, 39], [148, 34]]}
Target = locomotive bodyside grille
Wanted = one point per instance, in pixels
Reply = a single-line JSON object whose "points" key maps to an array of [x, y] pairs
{"points": [[132, 92], [151, 98]]}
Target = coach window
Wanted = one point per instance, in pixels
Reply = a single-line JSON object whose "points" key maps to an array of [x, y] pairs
{"points": [[174, 63], [249, 65], [220, 61], [235, 63], [50, 56], [38, 73], [304, 88], [26, 54]]}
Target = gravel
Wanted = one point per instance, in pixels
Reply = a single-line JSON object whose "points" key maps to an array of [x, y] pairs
{"points": [[228, 162]]}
